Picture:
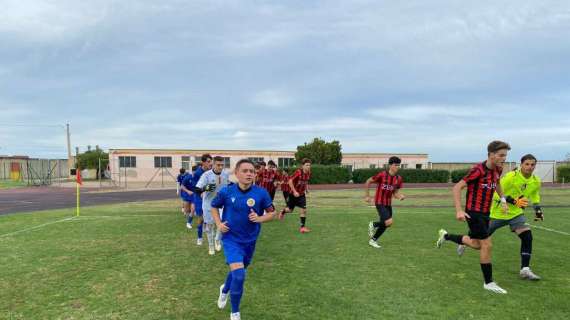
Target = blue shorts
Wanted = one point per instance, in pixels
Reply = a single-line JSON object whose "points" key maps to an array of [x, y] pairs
{"points": [[237, 252], [198, 207], [186, 197]]}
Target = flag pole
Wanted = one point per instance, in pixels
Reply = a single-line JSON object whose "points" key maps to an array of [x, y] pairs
{"points": [[77, 211]]}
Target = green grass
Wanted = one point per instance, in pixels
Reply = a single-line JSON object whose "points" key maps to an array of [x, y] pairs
{"points": [[10, 184], [138, 261]]}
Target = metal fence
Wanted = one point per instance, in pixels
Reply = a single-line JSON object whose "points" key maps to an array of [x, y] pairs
{"points": [[34, 171]]}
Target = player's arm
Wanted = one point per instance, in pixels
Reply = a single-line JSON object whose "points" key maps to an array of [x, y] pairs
{"points": [[398, 195], [269, 210], [460, 214], [501, 194], [367, 184], [183, 187], [292, 186], [217, 203]]}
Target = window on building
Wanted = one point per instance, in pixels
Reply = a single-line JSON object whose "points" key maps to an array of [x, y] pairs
{"points": [[256, 159], [127, 162], [227, 163], [418, 165], [348, 166], [186, 162], [372, 166], [285, 162], [163, 162], [404, 166]]}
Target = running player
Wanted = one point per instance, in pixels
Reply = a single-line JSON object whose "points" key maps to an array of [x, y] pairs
{"points": [[481, 182], [389, 185], [210, 183], [179, 179], [205, 165], [244, 205], [298, 184]]}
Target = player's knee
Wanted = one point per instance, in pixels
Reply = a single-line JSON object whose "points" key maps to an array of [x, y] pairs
{"points": [[388, 223], [238, 275]]}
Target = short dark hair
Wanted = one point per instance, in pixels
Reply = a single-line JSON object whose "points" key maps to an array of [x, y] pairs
{"points": [[206, 156], [242, 161], [528, 157], [305, 160], [394, 160], [218, 158], [182, 170], [497, 145], [261, 163], [271, 163]]}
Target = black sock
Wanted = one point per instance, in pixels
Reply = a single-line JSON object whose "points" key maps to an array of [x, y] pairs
{"points": [[379, 232], [487, 269], [526, 248], [303, 219], [457, 238]]}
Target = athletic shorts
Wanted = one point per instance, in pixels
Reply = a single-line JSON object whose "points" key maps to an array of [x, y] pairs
{"points": [[384, 212], [186, 197], [237, 252], [286, 196], [300, 201], [478, 225], [272, 194], [515, 223]]}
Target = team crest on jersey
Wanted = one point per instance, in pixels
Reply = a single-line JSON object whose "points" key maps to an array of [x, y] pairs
{"points": [[250, 202], [523, 187]]}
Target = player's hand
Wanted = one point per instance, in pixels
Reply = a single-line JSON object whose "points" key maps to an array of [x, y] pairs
{"points": [[462, 215], [538, 213], [402, 197], [521, 202], [367, 199], [296, 194], [223, 227], [253, 217]]}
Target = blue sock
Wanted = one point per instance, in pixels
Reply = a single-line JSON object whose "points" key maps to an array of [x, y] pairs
{"points": [[236, 288], [190, 217], [228, 283], [200, 229]]}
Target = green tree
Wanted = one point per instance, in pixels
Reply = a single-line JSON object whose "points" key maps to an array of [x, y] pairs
{"points": [[320, 152], [90, 158]]}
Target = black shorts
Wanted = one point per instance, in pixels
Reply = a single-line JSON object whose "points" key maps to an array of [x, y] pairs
{"points": [[478, 225], [272, 194], [384, 212], [300, 201]]}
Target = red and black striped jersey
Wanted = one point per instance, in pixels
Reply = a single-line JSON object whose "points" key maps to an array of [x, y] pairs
{"points": [[284, 178], [259, 177], [267, 180], [300, 181], [481, 184], [387, 186]]}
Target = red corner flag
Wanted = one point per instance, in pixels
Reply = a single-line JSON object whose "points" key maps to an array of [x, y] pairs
{"points": [[78, 176]]}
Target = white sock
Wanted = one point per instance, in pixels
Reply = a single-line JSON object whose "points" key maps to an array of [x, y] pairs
{"points": [[210, 235]]}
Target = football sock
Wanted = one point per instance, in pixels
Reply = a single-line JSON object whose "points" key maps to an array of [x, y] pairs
{"points": [[487, 269], [236, 288], [200, 230], [457, 238], [303, 219], [379, 232], [228, 283], [526, 248]]}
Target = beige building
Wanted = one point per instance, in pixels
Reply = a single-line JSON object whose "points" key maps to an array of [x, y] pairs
{"points": [[157, 165]]}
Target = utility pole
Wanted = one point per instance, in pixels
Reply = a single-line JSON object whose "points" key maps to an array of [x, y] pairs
{"points": [[70, 163]]}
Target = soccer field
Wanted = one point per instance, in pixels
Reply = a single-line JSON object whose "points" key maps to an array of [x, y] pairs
{"points": [[138, 261]]}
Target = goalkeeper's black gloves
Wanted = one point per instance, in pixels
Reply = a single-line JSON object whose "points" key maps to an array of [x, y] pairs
{"points": [[538, 214], [210, 187]]}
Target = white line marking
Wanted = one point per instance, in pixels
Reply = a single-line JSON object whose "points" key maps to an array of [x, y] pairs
{"points": [[34, 228], [551, 230]]}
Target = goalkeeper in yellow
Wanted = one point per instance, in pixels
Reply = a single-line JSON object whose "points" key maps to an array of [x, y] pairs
{"points": [[519, 186]]}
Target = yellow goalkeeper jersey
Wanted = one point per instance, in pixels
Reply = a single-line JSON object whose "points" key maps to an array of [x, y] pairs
{"points": [[514, 184]]}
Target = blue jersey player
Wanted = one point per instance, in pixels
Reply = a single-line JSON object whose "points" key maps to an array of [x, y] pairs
{"points": [[187, 196], [179, 179], [204, 166], [244, 205]]}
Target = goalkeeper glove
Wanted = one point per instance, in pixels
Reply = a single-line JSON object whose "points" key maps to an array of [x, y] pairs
{"points": [[539, 215], [521, 202], [210, 187]]}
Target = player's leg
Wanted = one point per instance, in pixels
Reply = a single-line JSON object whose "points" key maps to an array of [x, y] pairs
{"points": [[479, 229], [236, 257], [301, 202], [209, 227], [199, 223], [520, 227], [218, 237], [384, 222], [288, 206]]}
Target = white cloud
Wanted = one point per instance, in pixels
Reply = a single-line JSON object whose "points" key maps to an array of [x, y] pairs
{"points": [[275, 99]]}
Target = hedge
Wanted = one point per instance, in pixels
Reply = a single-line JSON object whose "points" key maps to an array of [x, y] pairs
{"points": [[409, 175], [457, 175], [322, 174], [563, 174]]}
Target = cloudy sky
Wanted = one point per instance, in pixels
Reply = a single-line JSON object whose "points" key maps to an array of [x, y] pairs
{"points": [[436, 77]]}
